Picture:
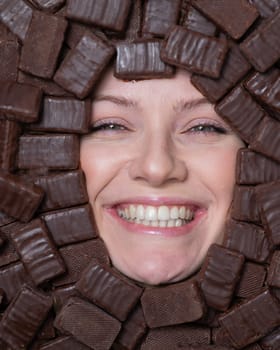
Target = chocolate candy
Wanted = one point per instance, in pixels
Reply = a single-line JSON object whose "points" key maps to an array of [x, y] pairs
{"points": [[244, 205], [88, 324], [48, 5], [9, 131], [266, 8], [273, 278], [5, 219], [9, 57], [62, 294], [195, 21], [64, 343], [194, 51], [271, 341]]}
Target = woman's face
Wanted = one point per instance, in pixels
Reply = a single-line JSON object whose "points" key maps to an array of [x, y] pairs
{"points": [[160, 166]]}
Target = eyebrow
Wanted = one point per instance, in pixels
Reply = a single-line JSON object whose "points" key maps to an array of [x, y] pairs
{"points": [[118, 100], [183, 105]]}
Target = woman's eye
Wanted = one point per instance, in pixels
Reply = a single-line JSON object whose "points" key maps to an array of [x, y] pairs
{"points": [[108, 127], [208, 128]]}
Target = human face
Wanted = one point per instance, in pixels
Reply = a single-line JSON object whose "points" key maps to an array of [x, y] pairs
{"points": [[157, 148]]}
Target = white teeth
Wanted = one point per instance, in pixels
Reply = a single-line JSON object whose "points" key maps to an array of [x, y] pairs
{"points": [[151, 213], [140, 212], [170, 223], [132, 211], [163, 213], [182, 212], [174, 213]]}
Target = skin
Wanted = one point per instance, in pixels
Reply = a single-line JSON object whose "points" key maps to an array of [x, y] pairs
{"points": [[158, 142]]}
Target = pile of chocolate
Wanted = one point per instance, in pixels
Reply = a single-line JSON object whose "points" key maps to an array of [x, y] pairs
{"points": [[57, 287]]}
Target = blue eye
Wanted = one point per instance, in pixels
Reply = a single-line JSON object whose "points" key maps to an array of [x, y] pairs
{"points": [[208, 128]]}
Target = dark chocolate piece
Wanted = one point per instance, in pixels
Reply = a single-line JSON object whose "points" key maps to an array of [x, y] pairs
{"points": [[64, 115], [194, 51], [266, 8], [9, 131], [107, 289], [221, 337], [64, 343], [42, 44], [70, 225], [251, 281], [8, 251], [62, 294], [20, 101], [83, 65], [24, 317], [220, 274], [141, 60], [75, 32], [58, 152], [234, 17], [262, 46], [48, 5], [273, 277], [37, 252], [88, 324], [240, 110], [9, 58], [194, 20], [271, 341], [244, 204], [173, 304], [5, 219], [18, 199]]}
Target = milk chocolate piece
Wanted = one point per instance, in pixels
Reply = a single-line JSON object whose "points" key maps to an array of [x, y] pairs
{"points": [[251, 281], [173, 304], [48, 5], [194, 20], [254, 168], [159, 17], [42, 45], [9, 131], [234, 17], [23, 317], [244, 205], [101, 285], [266, 8], [141, 60], [262, 46], [18, 199], [252, 320], [64, 343], [37, 252], [70, 225], [271, 341], [64, 115], [233, 70], [9, 58], [83, 65], [240, 110], [20, 101], [219, 276], [58, 152], [88, 324], [194, 51]]}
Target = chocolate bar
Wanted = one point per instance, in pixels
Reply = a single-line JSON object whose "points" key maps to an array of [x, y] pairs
{"points": [[194, 51], [64, 343], [221, 337], [48, 5], [42, 44], [9, 131], [233, 17], [273, 270], [266, 8], [5, 219], [88, 324], [194, 20], [35, 150], [9, 58], [271, 341], [62, 294], [47, 330], [107, 289], [244, 206], [173, 304], [141, 60]]}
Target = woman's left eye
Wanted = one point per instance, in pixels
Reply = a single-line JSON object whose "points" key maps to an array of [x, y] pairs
{"points": [[208, 128]]}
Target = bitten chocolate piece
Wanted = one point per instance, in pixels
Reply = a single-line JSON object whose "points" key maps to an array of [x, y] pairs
{"points": [[273, 278], [240, 110], [262, 46], [107, 289], [64, 115], [173, 304], [83, 65], [42, 44], [220, 274], [251, 281], [244, 204], [37, 252], [266, 8], [194, 20], [64, 343], [23, 317], [254, 168], [194, 51], [88, 324], [48, 151], [9, 131], [20, 101], [234, 17], [160, 16], [48, 5], [252, 320], [141, 60], [18, 199]]}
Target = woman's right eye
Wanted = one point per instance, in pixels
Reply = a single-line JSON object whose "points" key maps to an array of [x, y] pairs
{"points": [[108, 126]]}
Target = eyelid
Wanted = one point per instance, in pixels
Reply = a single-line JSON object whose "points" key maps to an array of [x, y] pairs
{"points": [[208, 121], [109, 120]]}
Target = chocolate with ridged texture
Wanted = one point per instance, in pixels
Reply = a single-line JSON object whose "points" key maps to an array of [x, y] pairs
{"points": [[241, 111], [173, 304], [254, 168], [194, 20], [48, 5], [34, 152], [244, 206], [23, 317], [247, 239], [160, 16], [234, 69], [19, 199], [5, 219], [262, 46], [64, 115], [9, 131], [266, 8], [16, 15], [88, 324], [109, 290], [83, 65], [9, 58], [20, 101], [70, 225], [108, 14], [273, 277], [194, 51], [234, 17], [141, 60], [75, 32], [220, 337], [8, 252], [62, 294], [220, 274], [37, 252], [42, 45], [64, 343], [251, 320], [271, 341]]}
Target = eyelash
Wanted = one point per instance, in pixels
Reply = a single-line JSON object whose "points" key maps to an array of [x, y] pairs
{"points": [[111, 126]]}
